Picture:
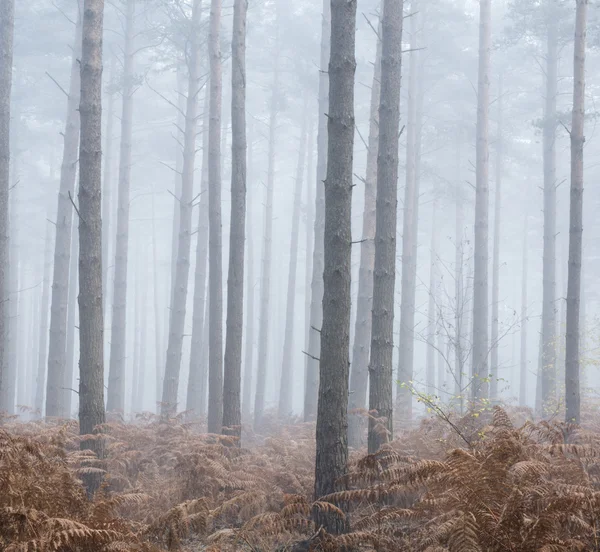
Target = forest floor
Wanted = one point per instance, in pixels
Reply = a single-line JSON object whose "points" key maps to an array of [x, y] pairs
{"points": [[491, 481]]}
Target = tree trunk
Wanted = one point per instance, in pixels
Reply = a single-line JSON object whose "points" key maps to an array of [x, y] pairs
{"points": [[158, 359], [198, 363], [384, 276], [359, 376], [287, 372], [44, 316], [496, 253], [410, 233], [265, 276], [572, 397], [479, 384], [7, 8], [332, 410], [137, 320], [523, 371], [71, 323], [548, 350], [459, 295], [431, 310], [91, 326], [215, 264], [316, 300], [310, 240], [232, 379], [107, 185], [143, 355], [180, 284], [60, 282], [118, 334]]}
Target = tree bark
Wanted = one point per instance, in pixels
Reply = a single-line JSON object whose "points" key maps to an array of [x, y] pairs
{"points": [[287, 371], [7, 8], [232, 379], [310, 240], [548, 349], [60, 282], [316, 300], [572, 392], [71, 323], [384, 277], [479, 384], [431, 310], [215, 265], [359, 376], [496, 252], [91, 326], [524, 282], [332, 413], [180, 284], [459, 295]]}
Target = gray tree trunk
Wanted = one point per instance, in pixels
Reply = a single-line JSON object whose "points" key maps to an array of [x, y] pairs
{"points": [[359, 375], [158, 335], [548, 349], [7, 8], [524, 321], [71, 323], [180, 284], [310, 240], [232, 378], [572, 392], [91, 326], [459, 295], [496, 252], [316, 299], [287, 372], [118, 334], [215, 254], [431, 310], [479, 384], [332, 409], [60, 282], [384, 276]]}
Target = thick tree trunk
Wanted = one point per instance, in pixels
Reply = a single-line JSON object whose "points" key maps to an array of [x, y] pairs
{"points": [[548, 349], [198, 363], [180, 284], [572, 396], [332, 413], [137, 319], [431, 310], [287, 371], [7, 8], [232, 378], [410, 230], [523, 371], [496, 253], [118, 334], [265, 272], [91, 326], [143, 355], [215, 264], [71, 323], [60, 282], [479, 384], [158, 335], [359, 376], [316, 300], [310, 240], [44, 317]]}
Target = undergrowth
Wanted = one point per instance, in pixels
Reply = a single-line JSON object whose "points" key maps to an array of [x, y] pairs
{"points": [[477, 483]]}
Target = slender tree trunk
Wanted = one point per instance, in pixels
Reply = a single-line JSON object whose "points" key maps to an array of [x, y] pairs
{"points": [[180, 284], [442, 366], [215, 265], [60, 282], [384, 276], [265, 276], [158, 358], [310, 240], [359, 376], [137, 319], [332, 413], [107, 185], [91, 326], [287, 372], [71, 323], [524, 321], [7, 8], [479, 384], [496, 252], [232, 380], [118, 334], [409, 234], [572, 394], [140, 394], [548, 350], [198, 365], [44, 316], [316, 301], [431, 310], [459, 296]]}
